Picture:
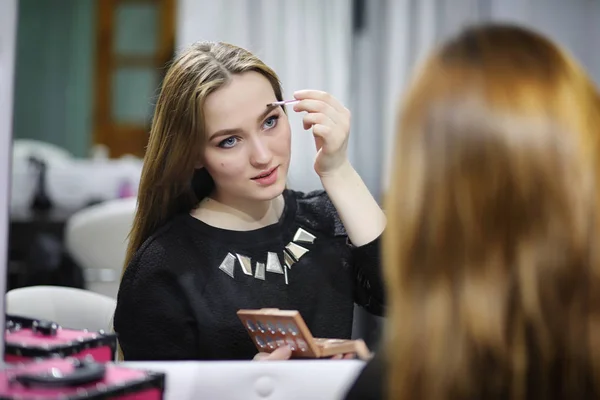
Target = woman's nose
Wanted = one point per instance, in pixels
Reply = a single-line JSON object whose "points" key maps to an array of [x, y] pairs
{"points": [[261, 153]]}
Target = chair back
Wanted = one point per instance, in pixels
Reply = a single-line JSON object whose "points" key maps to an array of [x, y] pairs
{"points": [[69, 307], [96, 239]]}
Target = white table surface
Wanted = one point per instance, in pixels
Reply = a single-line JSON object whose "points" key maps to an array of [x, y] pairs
{"points": [[248, 380]]}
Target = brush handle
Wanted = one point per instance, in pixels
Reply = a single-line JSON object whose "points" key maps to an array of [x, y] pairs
{"points": [[280, 103]]}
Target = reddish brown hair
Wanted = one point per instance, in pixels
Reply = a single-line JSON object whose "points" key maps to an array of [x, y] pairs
{"points": [[489, 259]]}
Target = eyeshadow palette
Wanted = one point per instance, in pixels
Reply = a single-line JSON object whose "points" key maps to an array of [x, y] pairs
{"points": [[271, 328]]}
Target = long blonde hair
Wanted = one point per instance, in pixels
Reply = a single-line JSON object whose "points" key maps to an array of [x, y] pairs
{"points": [[170, 184], [489, 261]]}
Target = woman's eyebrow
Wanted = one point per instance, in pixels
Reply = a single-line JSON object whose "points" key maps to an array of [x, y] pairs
{"points": [[225, 132], [233, 131], [265, 113]]}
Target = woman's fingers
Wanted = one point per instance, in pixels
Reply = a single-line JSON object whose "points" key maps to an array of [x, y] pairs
{"points": [[260, 356], [280, 354], [330, 123], [323, 131], [316, 119], [317, 106], [285, 353], [347, 356], [319, 95]]}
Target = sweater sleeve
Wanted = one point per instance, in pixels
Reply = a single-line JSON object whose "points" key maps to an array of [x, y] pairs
{"points": [[318, 212], [153, 320], [369, 289]]}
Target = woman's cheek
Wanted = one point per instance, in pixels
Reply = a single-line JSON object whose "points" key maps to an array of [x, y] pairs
{"points": [[231, 169]]}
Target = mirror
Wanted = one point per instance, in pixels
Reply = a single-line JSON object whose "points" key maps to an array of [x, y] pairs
{"points": [[87, 74]]}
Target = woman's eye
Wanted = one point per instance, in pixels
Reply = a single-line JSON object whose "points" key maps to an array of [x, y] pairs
{"points": [[271, 122], [228, 143]]}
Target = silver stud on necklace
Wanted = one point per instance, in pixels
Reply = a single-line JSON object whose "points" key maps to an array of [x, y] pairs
{"points": [[292, 253]]}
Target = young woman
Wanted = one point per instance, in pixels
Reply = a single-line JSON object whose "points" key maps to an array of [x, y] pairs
{"points": [[216, 230], [490, 270]]}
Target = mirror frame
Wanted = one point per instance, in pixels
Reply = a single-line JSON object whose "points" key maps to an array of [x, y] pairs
{"points": [[8, 39]]}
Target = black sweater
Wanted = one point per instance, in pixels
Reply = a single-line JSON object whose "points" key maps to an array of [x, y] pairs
{"points": [[369, 385], [176, 303]]}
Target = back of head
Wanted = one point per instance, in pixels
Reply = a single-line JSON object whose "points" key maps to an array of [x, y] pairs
{"points": [[490, 223], [170, 183]]}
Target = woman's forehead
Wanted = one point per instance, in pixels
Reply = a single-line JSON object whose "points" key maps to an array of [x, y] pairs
{"points": [[239, 102]]}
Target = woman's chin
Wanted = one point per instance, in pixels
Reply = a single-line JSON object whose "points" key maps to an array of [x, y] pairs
{"points": [[270, 192], [273, 192]]}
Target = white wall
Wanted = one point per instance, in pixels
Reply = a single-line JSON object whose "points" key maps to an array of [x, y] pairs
{"points": [[593, 37], [8, 24], [575, 24]]}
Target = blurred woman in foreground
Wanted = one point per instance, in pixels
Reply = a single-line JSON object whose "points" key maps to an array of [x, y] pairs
{"points": [[492, 283]]}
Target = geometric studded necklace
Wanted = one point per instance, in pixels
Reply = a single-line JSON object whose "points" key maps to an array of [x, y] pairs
{"points": [[292, 253]]}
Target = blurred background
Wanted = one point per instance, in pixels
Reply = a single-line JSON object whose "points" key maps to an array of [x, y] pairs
{"points": [[87, 74]]}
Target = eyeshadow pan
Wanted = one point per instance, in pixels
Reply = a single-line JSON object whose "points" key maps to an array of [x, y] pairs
{"points": [[250, 325], [292, 329]]}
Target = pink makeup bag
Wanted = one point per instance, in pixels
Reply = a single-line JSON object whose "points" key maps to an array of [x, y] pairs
{"points": [[28, 339], [79, 379]]}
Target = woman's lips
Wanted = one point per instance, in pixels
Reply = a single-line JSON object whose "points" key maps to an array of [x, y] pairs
{"points": [[267, 178]]}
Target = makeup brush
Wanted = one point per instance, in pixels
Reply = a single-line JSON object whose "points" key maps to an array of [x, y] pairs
{"points": [[280, 103]]}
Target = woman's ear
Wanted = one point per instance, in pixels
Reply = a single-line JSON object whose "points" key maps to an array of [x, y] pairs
{"points": [[199, 165]]}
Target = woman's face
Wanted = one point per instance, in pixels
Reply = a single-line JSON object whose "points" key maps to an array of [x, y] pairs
{"points": [[247, 143]]}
